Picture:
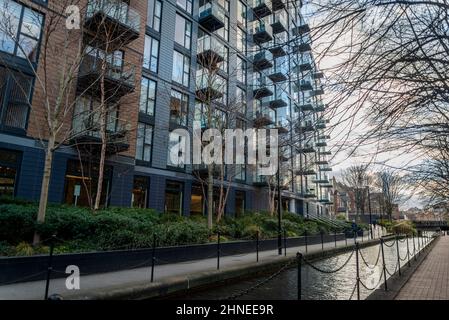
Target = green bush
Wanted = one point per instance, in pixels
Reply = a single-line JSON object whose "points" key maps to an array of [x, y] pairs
{"points": [[17, 223]]}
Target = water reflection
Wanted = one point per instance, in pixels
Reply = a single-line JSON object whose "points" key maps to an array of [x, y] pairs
{"points": [[321, 286]]}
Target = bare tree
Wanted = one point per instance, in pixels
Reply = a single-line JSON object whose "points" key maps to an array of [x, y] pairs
{"points": [[357, 177], [393, 186]]}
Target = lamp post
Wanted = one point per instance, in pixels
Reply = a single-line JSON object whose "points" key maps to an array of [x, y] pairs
{"points": [[370, 213], [279, 205]]}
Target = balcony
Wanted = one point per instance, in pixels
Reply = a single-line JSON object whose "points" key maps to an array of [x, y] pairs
{"points": [[300, 30], [278, 4], [277, 74], [87, 134], [278, 101], [302, 48], [309, 195], [326, 168], [280, 22], [211, 16], [119, 77], [262, 88], [278, 46], [209, 52], [322, 142], [208, 87], [282, 127], [325, 153], [321, 107], [304, 107], [318, 91], [322, 180], [305, 126], [307, 148], [318, 75], [263, 118], [263, 60], [114, 16], [305, 172], [262, 32], [321, 124], [261, 8], [327, 185], [304, 85], [322, 162], [306, 66]]}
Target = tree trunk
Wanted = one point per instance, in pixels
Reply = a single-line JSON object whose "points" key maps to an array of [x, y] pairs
{"points": [[210, 196], [45, 185]]}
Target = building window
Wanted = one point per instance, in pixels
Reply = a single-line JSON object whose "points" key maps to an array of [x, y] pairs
{"points": [[176, 151], [185, 5], [20, 30], [224, 65], [179, 104], [174, 194], [224, 32], [241, 100], [144, 142], [15, 96], [181, 68], [151, 54], [183, 34], [140, 192], [223, 88], [197, 201], [154, 14], [240, 203], [147, 96], [241, 70], [9, 168], [241, 14], [241, 40]]}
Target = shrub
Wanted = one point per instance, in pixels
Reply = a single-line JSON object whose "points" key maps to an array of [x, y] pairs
{"points": [[17, 223]]}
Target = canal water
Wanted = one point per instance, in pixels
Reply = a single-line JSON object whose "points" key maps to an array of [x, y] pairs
{"points": [[317, 285]]}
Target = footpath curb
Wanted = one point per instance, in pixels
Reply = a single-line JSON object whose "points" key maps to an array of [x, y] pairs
{"points": [[396, 282], [181, 284]]}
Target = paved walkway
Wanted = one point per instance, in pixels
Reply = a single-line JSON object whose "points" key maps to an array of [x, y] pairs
{"points": [[35, 290], [431, 280]]}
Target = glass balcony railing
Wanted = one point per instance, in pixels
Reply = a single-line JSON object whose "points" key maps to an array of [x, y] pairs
{"points": [[262, 87], [262, 32], [263, 60], [212, 16], [125, 19], [210, 52], [279, 21], [261, 8], [209, 87]]}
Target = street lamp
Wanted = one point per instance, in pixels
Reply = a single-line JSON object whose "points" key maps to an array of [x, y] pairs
{"points": [[279, 206], [370, 213]]}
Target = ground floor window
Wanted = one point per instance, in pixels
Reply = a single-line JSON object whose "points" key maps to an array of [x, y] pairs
{"points": [[197, 201], [140, 192], [240, 203], [174, 193], [9, 168], [81, 184]]}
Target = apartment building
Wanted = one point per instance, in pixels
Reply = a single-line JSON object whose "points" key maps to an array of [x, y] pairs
{"points": [[261, 53]]}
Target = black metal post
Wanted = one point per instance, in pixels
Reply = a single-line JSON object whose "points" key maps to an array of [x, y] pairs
{"points": [[279, 208], [408, 252], [355, 237], [218, 250], [285, 242], [370, 214], [399, 257], [358, 271], [153, 257], [384, 264], [322, 240], [346, 240], [335, 238], [419, 244], [307, 245], [414, 247], [257, 246], [50, 266], [299, 261]]}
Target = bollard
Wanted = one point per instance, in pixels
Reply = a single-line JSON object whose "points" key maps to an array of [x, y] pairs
{"points": [[257, 246], [218, 250], [399, 257], [346, 239], [322, 241], [419, 245], [299, 287], [358, 272], [363, 234], [285, 242], [50, 266], [305, 233], [355, 237], [414, 248], [153, 258], [408, 252], [335, 238], [384, 265]]}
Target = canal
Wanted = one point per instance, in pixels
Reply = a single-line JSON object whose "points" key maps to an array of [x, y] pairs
{"points": [[317, 285]]}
